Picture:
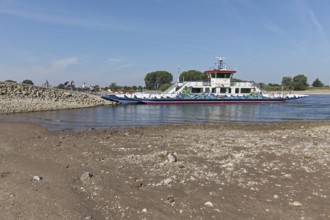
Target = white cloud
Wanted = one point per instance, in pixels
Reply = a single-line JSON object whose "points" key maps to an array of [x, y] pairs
{"points": [[309, 20], [299, 45], [114, 60], [271, 26], [64, 63], [318, 27], [118, 63], [60, 19]]}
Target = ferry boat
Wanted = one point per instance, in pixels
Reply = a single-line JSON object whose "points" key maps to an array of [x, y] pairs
{"points": [[220, 82], [219, 88]]}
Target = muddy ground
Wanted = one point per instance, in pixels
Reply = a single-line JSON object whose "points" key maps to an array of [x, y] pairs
{"points": [[279, 171]]}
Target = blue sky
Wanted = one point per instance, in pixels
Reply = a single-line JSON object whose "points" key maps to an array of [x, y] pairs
{"points": [[106, 41]]}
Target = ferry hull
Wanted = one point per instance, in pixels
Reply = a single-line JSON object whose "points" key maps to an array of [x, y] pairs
{"points": [[209, 101], [192, 101]]}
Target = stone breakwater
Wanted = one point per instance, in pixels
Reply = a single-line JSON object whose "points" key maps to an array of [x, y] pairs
{"points": [[16, 97]]}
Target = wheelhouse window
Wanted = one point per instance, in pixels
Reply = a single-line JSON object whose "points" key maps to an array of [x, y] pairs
{"points": [[197, 90], [245, 90], [223, 75]]}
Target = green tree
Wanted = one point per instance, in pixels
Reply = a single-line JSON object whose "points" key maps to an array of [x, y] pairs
{"points": [[300, 82], [155, 80], [287, 83], [12, 81], [192, 75], [262, 85], [270, 86], [97, 88], [60, 86], [113, 87], [317, 83], [164, 86], [27, 81]]}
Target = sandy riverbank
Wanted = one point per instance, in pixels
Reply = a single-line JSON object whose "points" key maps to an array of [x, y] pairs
{"points": [[278, 171], [313, 92]]}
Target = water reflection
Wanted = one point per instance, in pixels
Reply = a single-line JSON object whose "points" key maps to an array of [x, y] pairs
{"points": [[316, 107]]}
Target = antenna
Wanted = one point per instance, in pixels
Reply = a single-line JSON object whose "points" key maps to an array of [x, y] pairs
{"points": [[220, 62], [178, 73]]}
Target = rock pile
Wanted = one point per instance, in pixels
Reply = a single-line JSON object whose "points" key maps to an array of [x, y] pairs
{"points": [[15, 97]]}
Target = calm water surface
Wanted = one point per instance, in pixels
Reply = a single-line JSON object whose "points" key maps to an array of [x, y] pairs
{"points": [[311, 108]]}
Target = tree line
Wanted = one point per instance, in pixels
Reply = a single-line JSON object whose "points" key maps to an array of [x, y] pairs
{"points": [[296, 83], [161, 80]]}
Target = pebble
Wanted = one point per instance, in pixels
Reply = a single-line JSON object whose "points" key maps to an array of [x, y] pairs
{"points": [[172, 157], [137, 183], [209, 204], [168, 181], [86, 176], [296, 204], [37, 178], [170, 199]]}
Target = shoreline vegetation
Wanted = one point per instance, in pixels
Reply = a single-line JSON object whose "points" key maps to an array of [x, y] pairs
{"points": [[261, 171]]}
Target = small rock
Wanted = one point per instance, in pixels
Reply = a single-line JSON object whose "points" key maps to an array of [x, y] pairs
{"points": [[172, 157], [167, 181], [137, 184], [88, 218], [209, 204], [276, 196], [170, 199], [181, 166], [144, 210], [86, 176], [37, 178], [296, 204]]}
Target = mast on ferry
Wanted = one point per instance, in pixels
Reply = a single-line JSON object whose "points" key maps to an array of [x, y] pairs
{"points": [[220, 64]]}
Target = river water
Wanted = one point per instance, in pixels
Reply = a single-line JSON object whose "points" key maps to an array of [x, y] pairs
{"points": [[311, 108]]}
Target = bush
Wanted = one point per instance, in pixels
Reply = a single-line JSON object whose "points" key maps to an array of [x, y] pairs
{"points": [[12, 81], [164, 87], [27, 81], [317, 83]]}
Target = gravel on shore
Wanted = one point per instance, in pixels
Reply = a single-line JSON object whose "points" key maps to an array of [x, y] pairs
{"points": [[15, 97], [270, 171]]}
